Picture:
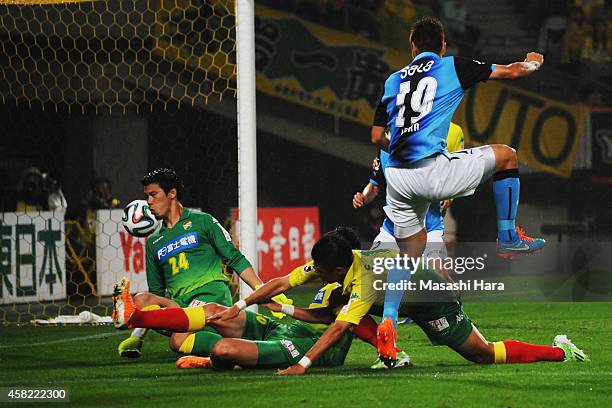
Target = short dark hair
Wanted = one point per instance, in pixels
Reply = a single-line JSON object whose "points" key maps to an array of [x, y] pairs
{"points": [[427, 34], [348, 234], [335, 248], [166, 178]]}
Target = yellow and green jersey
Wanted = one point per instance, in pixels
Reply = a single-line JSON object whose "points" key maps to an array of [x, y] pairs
{"points": [[357, 284], [359, 293], [189, 255]]}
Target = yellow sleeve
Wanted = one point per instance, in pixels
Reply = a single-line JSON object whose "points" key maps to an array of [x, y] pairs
{"points": [[454, 140], [302, 274]]}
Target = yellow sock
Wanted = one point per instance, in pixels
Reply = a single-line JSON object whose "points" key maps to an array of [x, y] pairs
{"points": [[187, 345], [499, 349], [196, 316]]}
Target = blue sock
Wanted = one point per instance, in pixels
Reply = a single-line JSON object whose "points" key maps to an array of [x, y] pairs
{"points": [[506, 189], [393, 298]]}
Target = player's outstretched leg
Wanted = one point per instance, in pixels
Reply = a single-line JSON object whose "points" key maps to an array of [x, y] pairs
{"points": [[412, 245], [132, 346], [506, 190], [481, 351], [126, 315]]}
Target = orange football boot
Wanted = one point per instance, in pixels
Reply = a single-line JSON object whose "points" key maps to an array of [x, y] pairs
{"points": [[193, 362], [386, 337], [123, 304]]}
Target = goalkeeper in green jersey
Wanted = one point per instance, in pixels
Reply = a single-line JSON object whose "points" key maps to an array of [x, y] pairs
{"points": [[184, 257]]}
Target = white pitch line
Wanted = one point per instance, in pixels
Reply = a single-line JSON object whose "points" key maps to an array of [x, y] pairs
{"points": [[44, 343]]}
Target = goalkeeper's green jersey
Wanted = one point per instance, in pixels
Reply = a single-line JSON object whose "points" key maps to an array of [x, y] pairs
{"points": [[189, 255]]}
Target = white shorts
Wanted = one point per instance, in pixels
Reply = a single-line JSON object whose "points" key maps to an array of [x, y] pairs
{"points": [[445, 176], [435, 247], [384, 240]]}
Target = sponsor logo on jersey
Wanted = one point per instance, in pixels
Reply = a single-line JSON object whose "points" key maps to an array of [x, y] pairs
{"points": [[187, 225], [439, 325], [176, 245], [347, 307], [319, 297], [290, 347], [196, 303]]}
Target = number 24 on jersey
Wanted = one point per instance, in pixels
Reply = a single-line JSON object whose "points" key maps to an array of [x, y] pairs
{"points": [[179, 262]]}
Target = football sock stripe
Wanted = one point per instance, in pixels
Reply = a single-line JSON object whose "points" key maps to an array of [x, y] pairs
{"points": [[187, 345], [197, 318], [499, 349]]}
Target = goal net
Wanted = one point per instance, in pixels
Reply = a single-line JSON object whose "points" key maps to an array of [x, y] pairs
{"points": [[92, 94]]}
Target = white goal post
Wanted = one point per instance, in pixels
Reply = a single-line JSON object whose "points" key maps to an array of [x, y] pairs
{"points": [[247, 133]]}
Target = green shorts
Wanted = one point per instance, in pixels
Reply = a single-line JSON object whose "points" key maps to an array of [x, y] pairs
{"points": [[215, 291], [444, 323], [282, 345]]}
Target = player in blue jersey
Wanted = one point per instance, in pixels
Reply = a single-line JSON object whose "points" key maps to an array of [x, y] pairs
{"points": [[420, 100], [434, 220]]}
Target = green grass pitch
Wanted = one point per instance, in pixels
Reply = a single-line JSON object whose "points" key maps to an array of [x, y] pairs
{"points": [[84, 360]]}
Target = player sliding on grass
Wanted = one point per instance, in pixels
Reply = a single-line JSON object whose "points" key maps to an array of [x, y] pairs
{"points": [[184, 257], [337, 247], [248, 340], [439, 314], [442, 319], [420, 100]]}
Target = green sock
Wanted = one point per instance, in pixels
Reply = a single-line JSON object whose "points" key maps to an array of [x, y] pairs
{"points": [[204, 342]]}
